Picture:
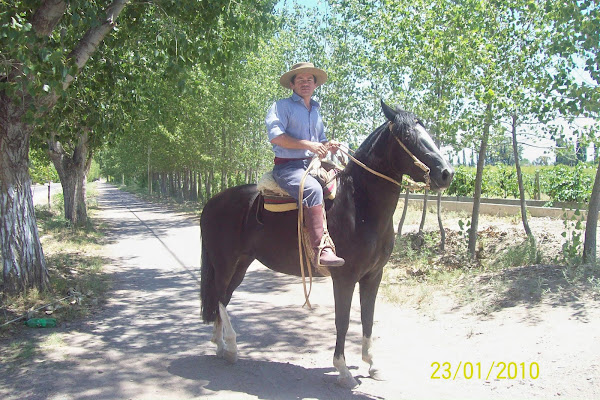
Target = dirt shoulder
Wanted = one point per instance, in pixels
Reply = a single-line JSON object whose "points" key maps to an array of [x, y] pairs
{"points": [[148, 342]]}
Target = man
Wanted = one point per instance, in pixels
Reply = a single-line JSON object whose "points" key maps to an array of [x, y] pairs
{"points": [[296, 131]]}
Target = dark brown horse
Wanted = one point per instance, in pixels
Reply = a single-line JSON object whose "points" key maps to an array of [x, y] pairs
{"points": [[359, 221]]}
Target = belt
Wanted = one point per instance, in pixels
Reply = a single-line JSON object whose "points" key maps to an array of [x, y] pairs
{"points": [[279, 160]]}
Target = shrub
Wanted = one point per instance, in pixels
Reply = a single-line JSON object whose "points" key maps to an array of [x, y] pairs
{"points": [[463, 183], [568, 184]]}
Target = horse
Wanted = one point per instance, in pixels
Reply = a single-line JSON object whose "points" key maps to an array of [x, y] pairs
{"points": [[359, 222]]}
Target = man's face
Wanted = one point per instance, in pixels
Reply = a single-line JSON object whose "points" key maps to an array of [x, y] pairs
{"points": [[304, 85]]}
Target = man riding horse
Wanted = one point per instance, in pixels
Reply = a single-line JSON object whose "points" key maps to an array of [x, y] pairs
{"points": [[296, 131]]}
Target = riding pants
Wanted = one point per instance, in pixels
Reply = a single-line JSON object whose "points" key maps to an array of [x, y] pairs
{"points": [[288, 176]]}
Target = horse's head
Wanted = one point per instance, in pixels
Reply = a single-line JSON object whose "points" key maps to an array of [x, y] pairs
{"points": [[409, 131], [412, 137]]}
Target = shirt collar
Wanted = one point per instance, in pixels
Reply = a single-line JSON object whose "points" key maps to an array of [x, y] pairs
{"points": [[313, 102]]}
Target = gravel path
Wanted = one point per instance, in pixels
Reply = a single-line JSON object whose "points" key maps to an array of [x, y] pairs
{"points": [[147, 342]]}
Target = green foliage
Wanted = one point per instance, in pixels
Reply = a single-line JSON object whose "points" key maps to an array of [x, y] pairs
{"points": [[463, 183], [501, 181], [560, 182], [464, 228], [94, 173], [573, 245], [525, 253], [41, 168], [568, 184]]}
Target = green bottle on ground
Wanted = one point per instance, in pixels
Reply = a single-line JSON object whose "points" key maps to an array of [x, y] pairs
{"points": [[41, 322]]}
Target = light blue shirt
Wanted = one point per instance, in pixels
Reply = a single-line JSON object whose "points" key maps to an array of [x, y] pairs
{"points": [[291, 116]]}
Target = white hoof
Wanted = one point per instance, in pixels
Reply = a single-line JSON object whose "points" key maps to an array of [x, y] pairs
{"points": [[376, 374], [221, 353], [347, 382], [230, 356]]}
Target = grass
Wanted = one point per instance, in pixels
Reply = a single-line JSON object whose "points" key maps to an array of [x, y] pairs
{"points": [[508, 269], [74, 266]]}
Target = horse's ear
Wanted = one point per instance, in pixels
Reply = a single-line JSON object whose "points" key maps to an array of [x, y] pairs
{"points": [[389, 113]]}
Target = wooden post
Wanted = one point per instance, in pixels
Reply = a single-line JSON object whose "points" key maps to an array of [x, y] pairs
{"points": [[537, 185]]}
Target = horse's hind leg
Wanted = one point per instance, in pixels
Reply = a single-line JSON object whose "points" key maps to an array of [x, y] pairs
{"points": [[224, 335], [229, 336], [217, 337]]}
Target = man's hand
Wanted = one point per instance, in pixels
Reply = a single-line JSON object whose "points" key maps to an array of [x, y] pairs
{"points": [[320, 149], [333, 146]]}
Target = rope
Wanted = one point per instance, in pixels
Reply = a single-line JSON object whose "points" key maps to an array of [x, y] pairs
{"points": [[312, 165]]}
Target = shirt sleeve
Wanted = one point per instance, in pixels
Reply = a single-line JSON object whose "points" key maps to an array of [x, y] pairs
{"points": [[276, 121], [321, 130]]}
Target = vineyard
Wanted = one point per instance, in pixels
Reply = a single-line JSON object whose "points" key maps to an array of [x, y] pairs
{"points": [[558, 183]]}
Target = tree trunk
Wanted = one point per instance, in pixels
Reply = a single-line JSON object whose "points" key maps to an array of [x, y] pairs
{"points": [[404, 210], [81, 195], [72, 170], [520, 178], [478, 179], [200, 193], [24, 264], [163, 185], [171, 185], [440, 223], [149, 171], [209, 183], [589, 244], [194, 186]]}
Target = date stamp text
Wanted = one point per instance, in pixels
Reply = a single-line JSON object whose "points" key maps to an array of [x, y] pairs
{"points": [[488, 371]]}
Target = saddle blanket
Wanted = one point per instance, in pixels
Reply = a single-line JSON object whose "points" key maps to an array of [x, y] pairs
{"points": [[278, 200]]}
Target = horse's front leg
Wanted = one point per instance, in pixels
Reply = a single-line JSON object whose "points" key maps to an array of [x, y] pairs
{"points": [[343, 300], [369, 286]]}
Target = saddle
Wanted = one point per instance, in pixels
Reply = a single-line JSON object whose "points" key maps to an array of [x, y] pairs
{"points": [[278, 200]]}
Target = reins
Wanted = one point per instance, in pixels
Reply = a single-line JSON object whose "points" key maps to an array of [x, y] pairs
{"points": [[417, 162], [314, 162]]}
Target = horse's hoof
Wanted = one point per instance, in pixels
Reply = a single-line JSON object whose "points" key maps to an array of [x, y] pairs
{"points": [[230, 356], [376, 374], [347, 382], [220, 353]]}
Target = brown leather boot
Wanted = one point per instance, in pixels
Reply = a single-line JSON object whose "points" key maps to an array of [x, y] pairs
{"points": [[313, 220]]}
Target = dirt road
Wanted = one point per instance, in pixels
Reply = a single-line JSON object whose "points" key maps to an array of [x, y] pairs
{"points": [[148, 342]]}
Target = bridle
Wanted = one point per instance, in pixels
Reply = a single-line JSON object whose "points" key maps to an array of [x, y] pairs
{"points": [[411, 184]]}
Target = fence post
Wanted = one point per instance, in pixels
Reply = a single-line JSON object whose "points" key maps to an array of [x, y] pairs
{"points": [[537, 194]]}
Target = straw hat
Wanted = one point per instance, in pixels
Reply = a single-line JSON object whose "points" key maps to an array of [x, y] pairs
{"points": [[302, 68]]}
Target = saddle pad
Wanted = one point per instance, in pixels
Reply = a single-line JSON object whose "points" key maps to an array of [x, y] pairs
{"points": [[280, 203], [276, 199]]}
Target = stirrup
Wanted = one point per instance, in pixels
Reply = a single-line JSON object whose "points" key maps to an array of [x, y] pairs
{"points": [[318, 252]]}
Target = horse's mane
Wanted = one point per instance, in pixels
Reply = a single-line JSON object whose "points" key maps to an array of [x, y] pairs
{"points": [[403, 121], [370, 142]]}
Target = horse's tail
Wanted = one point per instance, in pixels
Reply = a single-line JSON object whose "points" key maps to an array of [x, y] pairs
{"points": [[208, 295]]}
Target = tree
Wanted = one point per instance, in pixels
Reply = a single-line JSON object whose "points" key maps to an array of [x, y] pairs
{"points": [[40, 64], [577, 43], [28, 91]]}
